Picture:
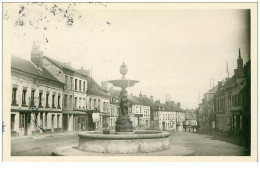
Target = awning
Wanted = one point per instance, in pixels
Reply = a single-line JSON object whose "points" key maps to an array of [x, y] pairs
{"points": [[95, 117]]}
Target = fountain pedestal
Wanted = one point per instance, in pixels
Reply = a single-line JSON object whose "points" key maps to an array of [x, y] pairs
{"points": [[124, 124]]}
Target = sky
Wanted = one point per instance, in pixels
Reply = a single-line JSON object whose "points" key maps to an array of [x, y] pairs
{"points": [[168, 50]]}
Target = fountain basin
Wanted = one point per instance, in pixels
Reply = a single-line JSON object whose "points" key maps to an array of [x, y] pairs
{"points": [[123, 83], [121, 143]]}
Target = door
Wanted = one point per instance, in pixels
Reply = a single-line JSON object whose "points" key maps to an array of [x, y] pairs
{"points": [[52, 123], [12, 122], [65, 122], [163, 126], [26, 124]]}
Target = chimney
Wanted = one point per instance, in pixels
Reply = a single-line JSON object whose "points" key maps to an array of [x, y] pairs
{"points": [[140, 95], [104, 85], [151, 99], [179, 104], [36, 56]]}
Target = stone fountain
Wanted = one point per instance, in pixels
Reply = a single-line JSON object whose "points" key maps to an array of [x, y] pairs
{"points": [[123, 123], [124, 140]]}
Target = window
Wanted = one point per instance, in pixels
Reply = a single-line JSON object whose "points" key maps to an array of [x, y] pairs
{"points": [[35, 120], [104, 106], [71, 83], [70, 102], [239, 102], [84, 86], [52, 121], [99, 104], [46, 122], [80, 100], [24, 96], [41, 120], [79, 85], [53, 101], [76, 84], [65, 100], [58, 121], [90, 107], [59, 101], [40, 98], [84, 103], [47, 99], [95, 104], [14, 95], [75, 102], [66, 79], [32, 97], [21, 120]]}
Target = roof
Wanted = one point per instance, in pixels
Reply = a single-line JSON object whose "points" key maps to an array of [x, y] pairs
{"points": [[95, 89], [212, 90], [114, 93], [134, 99], [28, 67], [231, 83], [146, 101], [168, 107], [61, 65]]}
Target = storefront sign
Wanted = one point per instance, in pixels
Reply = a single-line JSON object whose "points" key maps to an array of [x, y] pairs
{"points": [[95, 117]]}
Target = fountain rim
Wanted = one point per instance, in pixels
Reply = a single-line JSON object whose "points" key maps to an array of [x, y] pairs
{"points": [[143, 135]]}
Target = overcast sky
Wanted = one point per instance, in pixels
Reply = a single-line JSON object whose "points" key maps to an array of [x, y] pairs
{"points": [[168, 51]]}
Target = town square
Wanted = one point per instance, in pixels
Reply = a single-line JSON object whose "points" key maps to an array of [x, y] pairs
{"points": [[87, 79]]}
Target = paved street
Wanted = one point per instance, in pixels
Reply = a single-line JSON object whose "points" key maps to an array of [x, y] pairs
{"points": [[42, 146], [207, 145], [200, 144]]}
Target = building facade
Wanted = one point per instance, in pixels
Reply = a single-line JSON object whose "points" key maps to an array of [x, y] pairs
{"points": [[229, 101], [75, 94], [36, 105], [98, 105]]}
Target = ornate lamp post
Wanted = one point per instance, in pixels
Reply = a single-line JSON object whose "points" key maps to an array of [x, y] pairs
{"points": [[123, 123]]}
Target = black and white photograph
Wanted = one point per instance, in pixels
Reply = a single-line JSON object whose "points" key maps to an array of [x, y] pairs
{"points": [[157, 80]]}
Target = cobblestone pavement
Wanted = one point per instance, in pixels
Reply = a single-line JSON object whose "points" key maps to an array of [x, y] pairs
{"points": [[207, 144], [199, 144]]}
